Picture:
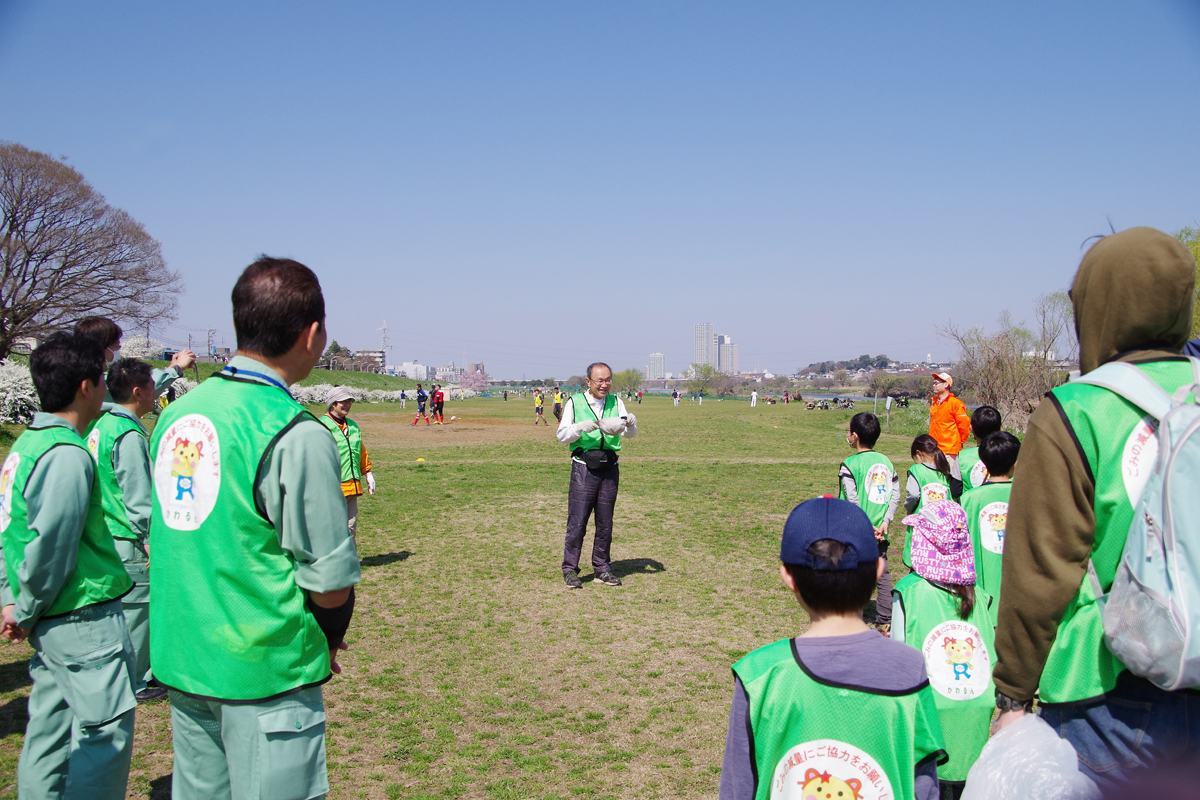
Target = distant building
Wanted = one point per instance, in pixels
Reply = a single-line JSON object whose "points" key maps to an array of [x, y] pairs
{"points": [[449, 373], [378, 356], [476, 367], [413, 370], [657, 368], [705, 350], [727, 355]]}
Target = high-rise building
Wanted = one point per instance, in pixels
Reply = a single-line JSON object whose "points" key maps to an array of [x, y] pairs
{"points": [[727, 355], [656, 370], [705, 352]]}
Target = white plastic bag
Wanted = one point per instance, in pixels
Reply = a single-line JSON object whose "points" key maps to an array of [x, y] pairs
{"points": [[1027, 761]]}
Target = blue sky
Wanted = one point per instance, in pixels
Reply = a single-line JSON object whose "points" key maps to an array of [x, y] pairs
{"points": [[541, 185]]}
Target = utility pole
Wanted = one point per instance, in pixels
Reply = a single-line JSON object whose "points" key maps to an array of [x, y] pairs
{"points": [[190, 342], [212, 340]]}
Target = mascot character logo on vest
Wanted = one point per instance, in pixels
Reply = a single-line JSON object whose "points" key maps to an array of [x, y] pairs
{"points": [[7, 473], [187, 472], [878, 484], [934, 491], [993, 519], [184, 459], [979, 474], [93, 444], [822, 770], [957, 661]]}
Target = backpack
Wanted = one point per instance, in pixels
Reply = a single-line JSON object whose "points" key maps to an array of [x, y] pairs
{"points": [[1152, 611]]}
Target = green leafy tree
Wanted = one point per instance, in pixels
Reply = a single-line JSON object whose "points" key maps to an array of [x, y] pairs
{"points": [[703, 377], [627, 380], [1190, 236]]}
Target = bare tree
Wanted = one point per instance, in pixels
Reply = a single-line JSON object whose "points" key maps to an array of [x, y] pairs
{"points": [[1014, 367], [65, 253]]}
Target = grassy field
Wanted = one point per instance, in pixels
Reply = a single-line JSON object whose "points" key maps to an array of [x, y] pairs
{"points": [[473, 672]]}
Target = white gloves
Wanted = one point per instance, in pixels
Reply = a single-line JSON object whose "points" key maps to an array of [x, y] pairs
{"points": [[630, 421], [612, 426], [588, 426], [370, 483]]}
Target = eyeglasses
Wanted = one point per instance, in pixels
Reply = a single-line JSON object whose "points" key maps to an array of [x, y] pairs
{"points": [[600, 380]]}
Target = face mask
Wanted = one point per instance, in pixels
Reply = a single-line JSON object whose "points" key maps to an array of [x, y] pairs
{"points": [[116, 353]]}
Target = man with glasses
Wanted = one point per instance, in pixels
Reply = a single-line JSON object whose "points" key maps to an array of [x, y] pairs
{"points": [[949, 425], [595, 441]]}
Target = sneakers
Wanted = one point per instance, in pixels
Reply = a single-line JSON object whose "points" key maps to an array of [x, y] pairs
{"points": [[151, 693], [607, 578], [572, 580]]}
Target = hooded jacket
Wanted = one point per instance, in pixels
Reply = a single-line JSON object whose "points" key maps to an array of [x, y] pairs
{"points": [[1133, 296]]}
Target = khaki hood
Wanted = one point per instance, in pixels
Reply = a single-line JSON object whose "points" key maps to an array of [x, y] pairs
{"points": [[1134, 290]]}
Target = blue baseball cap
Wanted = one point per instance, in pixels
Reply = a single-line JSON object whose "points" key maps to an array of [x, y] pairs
{"points": [[828, 518]]}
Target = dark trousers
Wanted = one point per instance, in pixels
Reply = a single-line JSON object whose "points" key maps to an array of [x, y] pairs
{"points": [[591, 490], [883, 588]]}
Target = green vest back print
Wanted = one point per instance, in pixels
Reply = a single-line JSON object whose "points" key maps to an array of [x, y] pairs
{"points": [[1110, 431], [102, 438], [974, 473], [594, 440], [230, 622], [99, 575], [873, 473], [986, 508], [958, 658], [349, 447], [809, 738], [934, 486]]}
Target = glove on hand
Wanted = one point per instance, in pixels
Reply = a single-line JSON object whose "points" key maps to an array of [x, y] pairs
{"points": [[630, 421], [612, 426], [370, 483], [588, 426]]}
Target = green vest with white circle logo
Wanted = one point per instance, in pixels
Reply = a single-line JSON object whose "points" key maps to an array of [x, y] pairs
{"points": [[959, 655], [809, 735], [104, 434], [229, 620], [1119, 439], [873, 473], [98, 576], [986, 508], [971, 468], [934, 485], [595, 440]]}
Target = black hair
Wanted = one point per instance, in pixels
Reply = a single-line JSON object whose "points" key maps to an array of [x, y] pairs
{"points": [[928, 445], [999, 452], [597, 364], [60, 364], [985, 421], [828, 590], [125, 375], [102, 329], [966, 599], [274, 300], [865, 425]]}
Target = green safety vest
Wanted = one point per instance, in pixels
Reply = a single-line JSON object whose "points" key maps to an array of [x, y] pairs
{"points": [[595, 440], [98, 576], [1110, 431], [934, 486], [808, 733], [349, 446], [102, 439], [873, 473], [974, 473], [959, 655], [986, 508], [229, 621]]}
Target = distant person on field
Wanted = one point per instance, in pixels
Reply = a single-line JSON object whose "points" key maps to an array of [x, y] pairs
{"points": [[985, 421], [61, 586], [1085, 456], [869, 479], [558, 403], [941, 612], [109, 333], [928, 480], [986, 508], [593, 425], [352, 452], [839, 709], [254, 567], [753, 398], [539, 405], [403, 399], [950, 427], [439, 405], [118, 442], [422, 397]]}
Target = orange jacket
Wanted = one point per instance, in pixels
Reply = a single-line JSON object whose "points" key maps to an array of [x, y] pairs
{"points": [[949, 424]]}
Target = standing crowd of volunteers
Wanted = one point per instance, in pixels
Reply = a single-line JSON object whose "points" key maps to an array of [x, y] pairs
{"points": [[248, 504]]}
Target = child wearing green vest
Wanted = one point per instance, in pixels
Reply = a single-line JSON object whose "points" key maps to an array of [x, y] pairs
{"points": [[118, 442], [61, 585], [984, 422], [987, 508], [941, 613], [928, 480], [838, 711], [869, 479]]}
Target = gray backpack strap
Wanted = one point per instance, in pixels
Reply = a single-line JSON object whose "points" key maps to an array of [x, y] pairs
{"points": [[1134, 385]]}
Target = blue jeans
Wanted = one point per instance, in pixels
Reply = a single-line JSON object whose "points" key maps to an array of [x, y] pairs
{"points": [[1136, 725]]}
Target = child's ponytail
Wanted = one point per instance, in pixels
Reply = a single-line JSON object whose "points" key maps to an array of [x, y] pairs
{"points": [[966, 598], [928, 445]]}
